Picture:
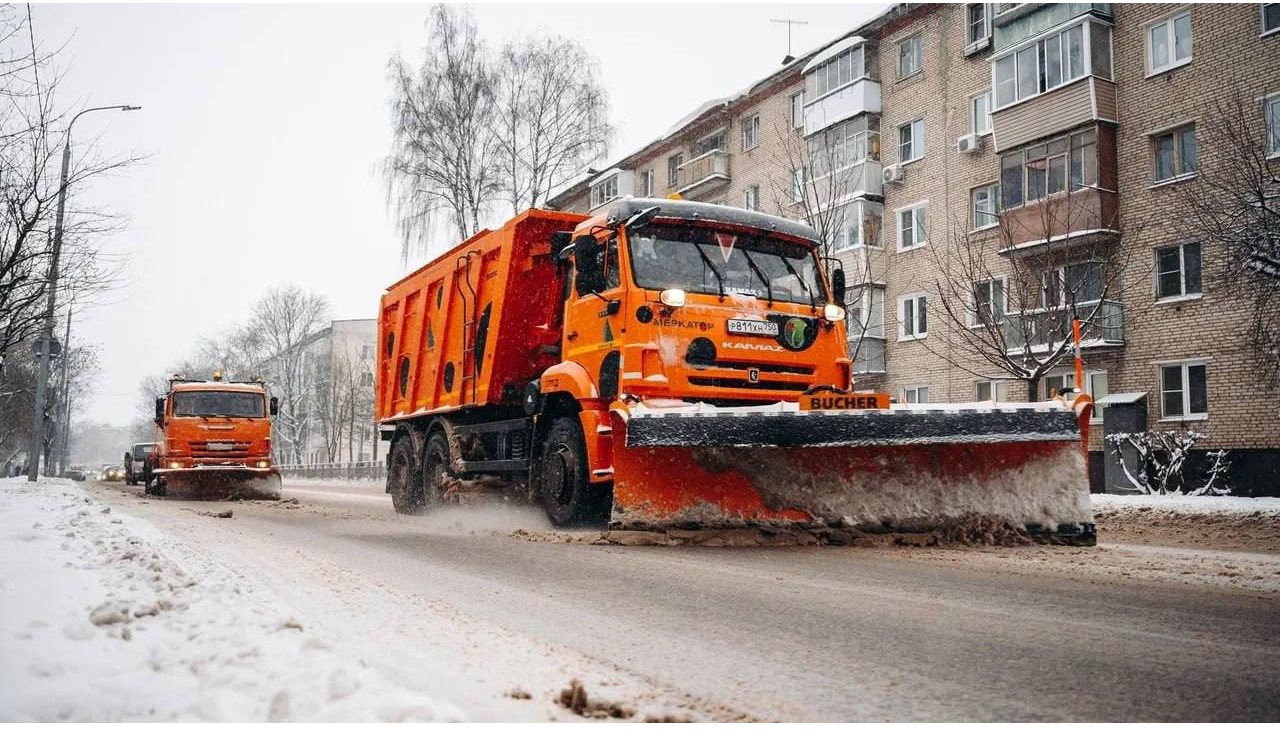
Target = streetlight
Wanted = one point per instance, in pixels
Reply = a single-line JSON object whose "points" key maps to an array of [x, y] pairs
{"points": [[42, 380]]}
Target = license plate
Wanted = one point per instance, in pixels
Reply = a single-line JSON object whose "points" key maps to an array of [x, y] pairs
{"points": [[220, 447], [753, 327], [843, 401]]}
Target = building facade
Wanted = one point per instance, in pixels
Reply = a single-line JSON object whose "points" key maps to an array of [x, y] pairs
{"points": [[986, 173]]}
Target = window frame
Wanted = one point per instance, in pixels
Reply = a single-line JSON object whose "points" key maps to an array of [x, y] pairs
{"points": [[915, 225], [1168, 21], [989, 96], [970, 41], [973, 206], [917, 141], [751, 198], [1037, 42], [915, 390], [674, 163], [750, 122], [1183, 295], [799, 179], [917, 52], [797, 120], [995, 386], [1179, 162], [916, 332], [974, 322], [1271, 115], [647, 186], [1071, 137], [1185, 366], [603, 185], [1262, 20]]}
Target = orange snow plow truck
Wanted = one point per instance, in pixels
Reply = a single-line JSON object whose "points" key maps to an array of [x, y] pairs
{"points": [[670, 364], [213, 441]]}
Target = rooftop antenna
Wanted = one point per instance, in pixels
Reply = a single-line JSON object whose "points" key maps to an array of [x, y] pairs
{"points": [[788, 58]]}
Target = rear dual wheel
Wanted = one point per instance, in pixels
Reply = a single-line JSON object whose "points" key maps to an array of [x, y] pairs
{"points": [[417, 482]]}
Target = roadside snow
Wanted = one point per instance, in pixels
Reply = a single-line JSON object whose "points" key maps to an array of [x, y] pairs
{"points": [[1188, 503], [104, 619]]}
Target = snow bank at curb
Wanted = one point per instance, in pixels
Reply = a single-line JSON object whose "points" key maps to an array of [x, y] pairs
{"points": [[104, 619], [1189, 504]]}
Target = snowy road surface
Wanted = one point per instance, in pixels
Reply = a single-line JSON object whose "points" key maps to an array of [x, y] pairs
{"points": [[453, 607]]}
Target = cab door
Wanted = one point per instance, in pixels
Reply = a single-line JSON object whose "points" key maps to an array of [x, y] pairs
{"points": [[593, 322]]}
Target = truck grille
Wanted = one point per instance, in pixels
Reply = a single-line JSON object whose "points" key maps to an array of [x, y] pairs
{"points": [[231, 449], [745, 384]]}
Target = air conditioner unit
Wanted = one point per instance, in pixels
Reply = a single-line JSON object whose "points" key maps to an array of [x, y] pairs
{"points": [[969, 143], [891, 174]]}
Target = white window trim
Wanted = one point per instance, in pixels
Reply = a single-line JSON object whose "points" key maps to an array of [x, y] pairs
{"points": [[1087, 58], [989, 226], [973, 121], [1186, 388], [1182, 274], [797, 123], [973, 301], [745, 121], [1174, 130], [1146, 42], [1275, 119], [897, 225], [897, 57], [987, 11], [1262, 21], [917, 390], [753, 191], [902, 329], [917, 146]]}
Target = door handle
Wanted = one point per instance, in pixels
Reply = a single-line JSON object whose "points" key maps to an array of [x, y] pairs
{"points": [[572, 336]]}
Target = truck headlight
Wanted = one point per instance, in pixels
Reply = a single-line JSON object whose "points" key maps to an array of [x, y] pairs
{"points": [[175, 465], [672, 297], [262, 464], [833, 313]]}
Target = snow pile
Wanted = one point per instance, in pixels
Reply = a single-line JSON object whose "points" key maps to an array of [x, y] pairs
{"points": [[1189, 503], [103, 619]]}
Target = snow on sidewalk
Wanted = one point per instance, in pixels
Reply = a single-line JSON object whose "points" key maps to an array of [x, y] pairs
{"points": [[1189, 503], [104, 619]]}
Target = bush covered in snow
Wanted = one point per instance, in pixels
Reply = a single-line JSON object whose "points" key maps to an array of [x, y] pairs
{"points": [[1158, 460]]}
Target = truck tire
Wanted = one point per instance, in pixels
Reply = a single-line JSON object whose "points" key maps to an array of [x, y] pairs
{"points": [[437, 472], [568, 496], [404, 478]]}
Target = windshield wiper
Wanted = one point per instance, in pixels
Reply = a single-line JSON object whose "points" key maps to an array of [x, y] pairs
{"points": [[794, 273], [707, 260], [767, 284]]}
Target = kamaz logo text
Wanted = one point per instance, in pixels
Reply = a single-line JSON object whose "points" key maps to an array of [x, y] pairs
{"points": [[751, 346]]}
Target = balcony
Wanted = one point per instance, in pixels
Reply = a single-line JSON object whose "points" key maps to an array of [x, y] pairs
{"points": [[704, 172], [1046, 328], [1061, 223], [1058, 110], [1026, 20], [868, 354]]}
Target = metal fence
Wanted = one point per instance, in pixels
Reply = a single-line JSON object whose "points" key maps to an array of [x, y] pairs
{"points": [[371, 470]]}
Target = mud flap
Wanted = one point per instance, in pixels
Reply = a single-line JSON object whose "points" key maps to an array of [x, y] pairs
{"points": [[213, 483], [906, 469]]}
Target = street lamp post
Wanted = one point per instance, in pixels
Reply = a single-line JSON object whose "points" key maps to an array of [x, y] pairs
{"points": [[42, 380]]}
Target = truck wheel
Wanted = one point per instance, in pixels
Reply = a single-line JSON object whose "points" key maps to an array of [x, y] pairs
{"points": [[567, 496], [436, 470], [404, 478]]}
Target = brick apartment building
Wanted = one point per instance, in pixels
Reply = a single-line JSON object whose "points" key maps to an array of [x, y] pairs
{"points": [[986, 171]]}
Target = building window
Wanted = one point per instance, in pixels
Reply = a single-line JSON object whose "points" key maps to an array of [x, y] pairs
{"points": [[865, 314], [842, 146], [1270, 18], [751, 132], [912, 229], [1044, 65], [1175, 153], [1273, 122], [844, 69], [978, 27], [1037, 171], [713, 141], [980, 113], [797, 110], [366, 379], [1183, 391], [913, 317], [366, 352], [1073, 284], [1178, 271], [986, 206], [989, 302], [911, 141], [1096, 386], [646, 183], [910, 56], [797, 184], [605, 191], [1169, 43], [856, 224], [751, 198], [989, 390], [916, 394], [673, 169]]}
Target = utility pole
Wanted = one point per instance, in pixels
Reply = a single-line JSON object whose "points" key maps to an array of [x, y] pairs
{"points": [[64, 460], [789, 58], [42, 379]]}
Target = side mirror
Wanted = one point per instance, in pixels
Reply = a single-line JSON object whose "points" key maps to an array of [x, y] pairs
{"points": [[587, 261], [159, 408], [274, 405], [838, 285], [128, 456]]}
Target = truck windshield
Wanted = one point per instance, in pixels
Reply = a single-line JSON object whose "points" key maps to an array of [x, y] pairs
{"points": [[218, 403], [704, 260], [142, 450]]}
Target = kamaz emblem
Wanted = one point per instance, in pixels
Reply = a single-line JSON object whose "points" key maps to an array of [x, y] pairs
{"points": [[753, 375]]}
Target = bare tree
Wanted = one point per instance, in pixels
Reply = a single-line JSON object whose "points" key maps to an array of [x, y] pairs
{"points": [[1233, 208], [551, 117], [1009, 295], [443, 148], [328, 394], [286, 318]]}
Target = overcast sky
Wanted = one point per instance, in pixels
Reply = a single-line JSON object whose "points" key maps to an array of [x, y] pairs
{"points": [[263, 127]]}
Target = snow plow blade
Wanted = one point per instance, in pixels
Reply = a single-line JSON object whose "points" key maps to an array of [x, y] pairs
{"points": [[221, 483], [908, 469]]}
